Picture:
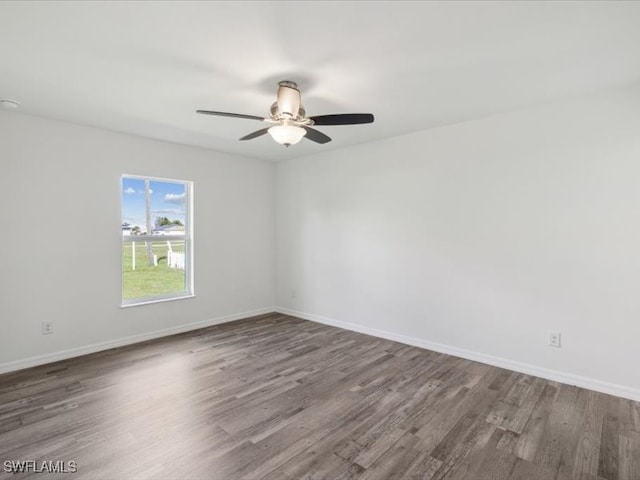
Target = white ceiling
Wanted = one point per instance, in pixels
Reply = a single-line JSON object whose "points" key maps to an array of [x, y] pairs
{"points": [[145, 67]]}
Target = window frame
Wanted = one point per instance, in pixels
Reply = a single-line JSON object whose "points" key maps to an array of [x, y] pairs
{"points": [[188, 292]]}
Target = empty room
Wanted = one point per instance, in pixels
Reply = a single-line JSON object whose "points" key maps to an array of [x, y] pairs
{"points": [[320, 240]]}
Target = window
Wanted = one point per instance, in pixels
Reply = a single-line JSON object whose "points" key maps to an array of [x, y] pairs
{"points": [[156, 239]]}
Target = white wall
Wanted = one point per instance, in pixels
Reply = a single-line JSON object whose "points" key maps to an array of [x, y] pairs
{"points": [[480, 237], [60, 247]]}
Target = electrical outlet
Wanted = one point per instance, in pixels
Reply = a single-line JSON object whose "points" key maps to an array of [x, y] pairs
{"points": [[554, 339], [293, 294], [47, 328]]}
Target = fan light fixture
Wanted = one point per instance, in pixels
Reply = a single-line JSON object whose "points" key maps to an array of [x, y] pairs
{"points": [[287, 135], [288, 119]]}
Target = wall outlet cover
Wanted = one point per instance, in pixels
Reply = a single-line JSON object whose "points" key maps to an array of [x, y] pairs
{"points": [[554, 339]]}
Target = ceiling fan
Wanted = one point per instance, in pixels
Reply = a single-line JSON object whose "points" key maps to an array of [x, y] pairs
{"points": [[289, 121]]}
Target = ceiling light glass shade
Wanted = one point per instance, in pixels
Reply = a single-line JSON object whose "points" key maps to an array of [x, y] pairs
{"points": [[287, 134]]}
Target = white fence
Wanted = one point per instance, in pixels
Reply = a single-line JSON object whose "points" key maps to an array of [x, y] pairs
{"points": [[174, 259]]}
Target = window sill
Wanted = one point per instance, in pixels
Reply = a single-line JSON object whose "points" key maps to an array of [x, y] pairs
{"points": [[157, 300]]}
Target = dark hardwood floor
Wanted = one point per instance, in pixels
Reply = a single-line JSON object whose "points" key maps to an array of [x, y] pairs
{"points": [[275, 397]]}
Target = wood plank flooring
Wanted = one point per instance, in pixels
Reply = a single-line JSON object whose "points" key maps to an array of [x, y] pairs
{"points": [[275, 397]]}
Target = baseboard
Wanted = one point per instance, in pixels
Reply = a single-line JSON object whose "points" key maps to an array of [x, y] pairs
{"points": [[554, 375], [120, 342], [549, 374]]}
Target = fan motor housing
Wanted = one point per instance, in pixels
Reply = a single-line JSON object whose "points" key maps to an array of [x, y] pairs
{"points": [[276, 114], [288, 99]]}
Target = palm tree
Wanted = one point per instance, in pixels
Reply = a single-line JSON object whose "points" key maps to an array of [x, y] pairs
{"points": [[147, 197]]}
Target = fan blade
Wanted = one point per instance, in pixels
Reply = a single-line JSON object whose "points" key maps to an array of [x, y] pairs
{"points": [[343, 119], [316, 136], [234, 115], [257, 133]]}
